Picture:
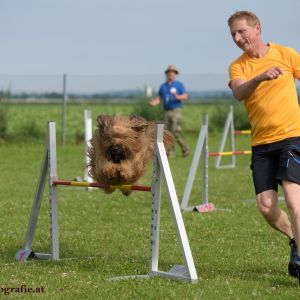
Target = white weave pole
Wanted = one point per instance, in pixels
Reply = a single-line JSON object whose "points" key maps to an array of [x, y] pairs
{"points": [[201, 149], [88, 133]]}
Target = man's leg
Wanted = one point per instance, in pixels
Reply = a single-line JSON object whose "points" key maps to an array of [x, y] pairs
{"points": [[177, 119], [170, 126], [267, 171], [278, 219], [267, 202], [292, 197]]}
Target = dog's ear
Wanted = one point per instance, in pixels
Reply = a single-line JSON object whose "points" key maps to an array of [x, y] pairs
{"points": [[139, 124], [103, 120]]}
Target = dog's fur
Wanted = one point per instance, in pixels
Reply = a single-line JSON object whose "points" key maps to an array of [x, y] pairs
{"points": [[120, 149]]}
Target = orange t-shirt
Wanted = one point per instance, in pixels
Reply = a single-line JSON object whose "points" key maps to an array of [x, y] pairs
{"points": [[273, 107]]}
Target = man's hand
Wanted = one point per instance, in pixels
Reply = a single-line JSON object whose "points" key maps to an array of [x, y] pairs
{"points": [[243, 89], [270, 74], [154, 101]]}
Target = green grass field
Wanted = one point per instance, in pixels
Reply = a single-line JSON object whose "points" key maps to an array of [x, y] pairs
{"points": [[237, 256]]}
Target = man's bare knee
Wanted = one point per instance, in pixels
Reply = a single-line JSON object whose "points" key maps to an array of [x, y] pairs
{"points": [[268, 204], [292, 197]]}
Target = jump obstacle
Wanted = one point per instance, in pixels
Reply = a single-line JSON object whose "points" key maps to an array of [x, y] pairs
{"points": [[202, 149], [161, 170], [229, 130]]}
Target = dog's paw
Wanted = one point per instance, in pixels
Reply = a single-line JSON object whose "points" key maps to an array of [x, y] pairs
{"points": [[126, 193]]}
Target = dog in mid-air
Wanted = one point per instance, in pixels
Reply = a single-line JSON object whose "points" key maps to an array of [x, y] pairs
{"points": [[120, 149]]}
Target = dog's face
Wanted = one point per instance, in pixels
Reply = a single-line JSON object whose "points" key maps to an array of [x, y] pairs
{"points": [[121, 137], [116, 153]]}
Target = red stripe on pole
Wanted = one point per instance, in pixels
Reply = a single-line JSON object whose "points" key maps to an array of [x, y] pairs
{"points": [[214, 154], [141, 188], [61, 182], [98, 185]]}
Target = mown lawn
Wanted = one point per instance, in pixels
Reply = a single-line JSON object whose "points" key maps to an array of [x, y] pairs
{"points": [[237, 255]]}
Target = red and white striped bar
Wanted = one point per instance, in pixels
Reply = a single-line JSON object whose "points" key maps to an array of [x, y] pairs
{"points": [[242, 132], [103, 185], [229, 153]]}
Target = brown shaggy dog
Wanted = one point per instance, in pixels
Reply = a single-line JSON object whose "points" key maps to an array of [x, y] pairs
{"points": [[120, 149]]}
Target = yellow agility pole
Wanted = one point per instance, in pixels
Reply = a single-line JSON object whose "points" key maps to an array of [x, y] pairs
{"points": [[242, 132], [229, 153]]}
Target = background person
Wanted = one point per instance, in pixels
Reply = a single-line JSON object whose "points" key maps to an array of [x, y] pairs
{"points": [[264, 77], [173, 93]]}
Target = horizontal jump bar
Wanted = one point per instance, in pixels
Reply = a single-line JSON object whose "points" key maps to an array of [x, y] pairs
{"points": [[126, 187], [229, 153], [240, 132]]}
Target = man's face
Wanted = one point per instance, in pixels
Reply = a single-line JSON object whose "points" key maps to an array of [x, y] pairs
{"points": [[171, 76], [245, 36]]}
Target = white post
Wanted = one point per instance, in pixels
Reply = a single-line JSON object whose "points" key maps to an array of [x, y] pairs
{"points": [[155, 209], [205, 162], [88, 133], [188, 271], [232, 138], [194, 166], [64, 110], [54, 232]]}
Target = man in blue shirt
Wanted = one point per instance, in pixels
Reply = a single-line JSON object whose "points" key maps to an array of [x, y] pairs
{"points": [[172, 93]]}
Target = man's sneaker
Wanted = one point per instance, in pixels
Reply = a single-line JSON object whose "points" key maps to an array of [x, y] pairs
{"points": [[294, 264]]}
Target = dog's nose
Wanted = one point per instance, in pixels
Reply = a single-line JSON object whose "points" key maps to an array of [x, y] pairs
{"points": [[115, 148], [116, 153]]}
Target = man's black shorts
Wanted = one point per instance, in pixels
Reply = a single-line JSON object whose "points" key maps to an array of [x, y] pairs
{"points": [[272, 163]]}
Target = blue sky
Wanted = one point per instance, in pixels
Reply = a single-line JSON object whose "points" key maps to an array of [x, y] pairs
{"points": [[131, 37]]}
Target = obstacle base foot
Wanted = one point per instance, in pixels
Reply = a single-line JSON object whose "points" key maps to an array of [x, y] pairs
{"points": [[207, 207], [179, 270], [25, 254], [28, 254]]}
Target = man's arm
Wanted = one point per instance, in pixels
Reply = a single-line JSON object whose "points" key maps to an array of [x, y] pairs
{"points": [[182, 97], [182, 94], [242, 89]]}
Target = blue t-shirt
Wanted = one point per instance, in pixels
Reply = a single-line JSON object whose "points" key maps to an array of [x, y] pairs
{"points": [[169, 101]]}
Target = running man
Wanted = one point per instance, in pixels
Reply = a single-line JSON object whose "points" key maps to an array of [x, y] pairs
{"points": [[264, 78], [173, 93]]}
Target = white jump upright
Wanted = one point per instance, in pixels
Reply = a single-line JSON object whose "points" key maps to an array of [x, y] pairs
{"points": [[228, 129], [161, 170], [201, 148], [88, 134], [48, 169]]}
